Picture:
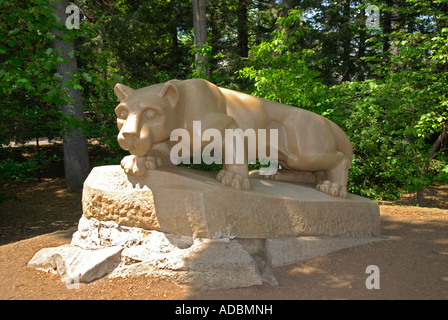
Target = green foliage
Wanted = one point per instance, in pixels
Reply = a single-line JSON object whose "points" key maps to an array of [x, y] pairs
{"points": [[376, 172], [31, 89], [28, 65], [108, 161], [215, 167], [141, 38], [12, 169], [279, 70], [198, 68], [394, 120], [398, 121], [387, 88]]}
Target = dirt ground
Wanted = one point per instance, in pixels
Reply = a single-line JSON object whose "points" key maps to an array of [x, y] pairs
{"points": [[413, 262]]}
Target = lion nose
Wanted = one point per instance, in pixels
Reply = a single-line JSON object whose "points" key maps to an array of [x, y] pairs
{"points": [[130, 128], [129, 135]]}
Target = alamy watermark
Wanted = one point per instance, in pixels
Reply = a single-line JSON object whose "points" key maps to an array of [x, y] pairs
{"points": [[373, 280], [72, 21], [72, 282], [234, 147], [373, 20]]}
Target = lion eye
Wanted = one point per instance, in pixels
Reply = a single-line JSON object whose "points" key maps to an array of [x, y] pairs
{"points": [[123, 114], [149, 114]]}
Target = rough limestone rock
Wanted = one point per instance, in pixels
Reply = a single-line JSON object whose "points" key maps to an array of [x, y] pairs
{"points": [[75, 264], [100, 248], [221, 263], [218, 264], [200, 262], [266, 273], [194, 203], [95, 234]]}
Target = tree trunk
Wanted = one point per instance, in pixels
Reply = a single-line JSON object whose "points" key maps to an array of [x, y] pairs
{"points": [[420, 197], [287, 7], [391, 20], [200, 32], [173, 32], [76, 156], [362, 48], [387, 27], [395, 27], [243, 35], [214, 14], [346, 34]]}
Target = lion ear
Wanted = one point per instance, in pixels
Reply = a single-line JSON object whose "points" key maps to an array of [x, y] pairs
{"points": [[170, 92], [122, 91]]}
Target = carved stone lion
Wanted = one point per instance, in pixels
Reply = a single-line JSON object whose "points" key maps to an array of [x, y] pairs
{"points": [[307, 142]]}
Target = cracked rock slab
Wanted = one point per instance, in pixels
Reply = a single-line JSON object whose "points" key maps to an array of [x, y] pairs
{"points": [[75, 264], [132, 252], [216, 264]]}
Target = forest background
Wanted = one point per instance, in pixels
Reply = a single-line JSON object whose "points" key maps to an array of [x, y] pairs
{"points": [[376, 68]]}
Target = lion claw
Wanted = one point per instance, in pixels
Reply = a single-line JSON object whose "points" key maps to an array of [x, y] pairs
{"points": [[331, 188], [133, 165], [233, 180]]}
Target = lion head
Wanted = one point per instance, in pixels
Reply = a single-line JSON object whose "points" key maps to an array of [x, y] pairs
{"points": [[145, 116]]}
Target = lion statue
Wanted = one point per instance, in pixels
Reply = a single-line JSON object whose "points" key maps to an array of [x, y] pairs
{"points": [[309, 145]]}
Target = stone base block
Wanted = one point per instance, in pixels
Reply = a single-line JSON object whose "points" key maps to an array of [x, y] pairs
{"points": [[284, 251], [193, 203]]}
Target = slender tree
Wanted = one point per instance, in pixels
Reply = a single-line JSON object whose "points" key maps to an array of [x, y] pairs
{"points": [[346, 40], [362, 46], [242, 28], [200, 32], [76, 157]]}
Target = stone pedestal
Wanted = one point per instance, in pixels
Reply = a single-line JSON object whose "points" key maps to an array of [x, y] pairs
{"points": [[194, 203], [185, 226]]}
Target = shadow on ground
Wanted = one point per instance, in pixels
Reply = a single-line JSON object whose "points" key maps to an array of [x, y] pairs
{"points": [[42, 208], [46, 206], [413, 264]]}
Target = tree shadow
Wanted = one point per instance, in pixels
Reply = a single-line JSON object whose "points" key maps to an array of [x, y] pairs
{"points": [[434, 197], [42, 208]]}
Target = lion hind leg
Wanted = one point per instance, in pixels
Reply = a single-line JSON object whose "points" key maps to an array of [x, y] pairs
{"points": [[336, 183]]}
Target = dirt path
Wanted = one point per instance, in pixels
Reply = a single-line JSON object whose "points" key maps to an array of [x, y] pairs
{"points": [[413, 264]]}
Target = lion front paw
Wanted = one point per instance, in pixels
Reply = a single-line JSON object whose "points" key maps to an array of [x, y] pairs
{"points": [[133, 165], [333, 189], [234, 180], [137, 166]]}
